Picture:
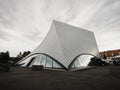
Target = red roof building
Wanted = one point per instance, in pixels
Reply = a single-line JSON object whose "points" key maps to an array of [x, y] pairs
{"points": [[111, 53]]}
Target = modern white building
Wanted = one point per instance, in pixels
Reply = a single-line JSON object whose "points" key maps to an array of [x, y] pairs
{"points": [[65, 47]]}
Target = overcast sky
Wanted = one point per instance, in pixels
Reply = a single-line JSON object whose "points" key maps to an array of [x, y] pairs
{"points": [[25, 23]]}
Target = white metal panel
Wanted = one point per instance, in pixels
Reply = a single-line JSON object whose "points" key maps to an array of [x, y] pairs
{"points": [[64, 42], [75, 41], [51, 46]]}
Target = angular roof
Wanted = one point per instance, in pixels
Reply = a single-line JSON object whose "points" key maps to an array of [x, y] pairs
{"points": [[65, 42]]}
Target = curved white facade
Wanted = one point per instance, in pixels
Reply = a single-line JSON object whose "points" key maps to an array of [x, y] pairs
{"points": [[65, 42]]}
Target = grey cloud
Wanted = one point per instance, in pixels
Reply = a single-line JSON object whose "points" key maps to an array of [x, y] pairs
{"points": [[4, 36], [29, 20], [107, 18], [34, 36], [7, 9]]}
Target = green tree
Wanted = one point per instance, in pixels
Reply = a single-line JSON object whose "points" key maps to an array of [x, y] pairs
{"points": [[4, 57], [104, 56], [25, 53]]}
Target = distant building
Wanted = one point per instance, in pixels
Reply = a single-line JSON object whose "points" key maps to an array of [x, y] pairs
{"points": [[110, 53]]}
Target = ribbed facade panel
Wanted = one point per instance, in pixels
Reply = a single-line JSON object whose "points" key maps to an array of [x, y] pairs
{"points": [[64, 42]]}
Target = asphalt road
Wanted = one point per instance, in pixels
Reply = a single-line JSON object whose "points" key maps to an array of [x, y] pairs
{"points": [[98, 78]]}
